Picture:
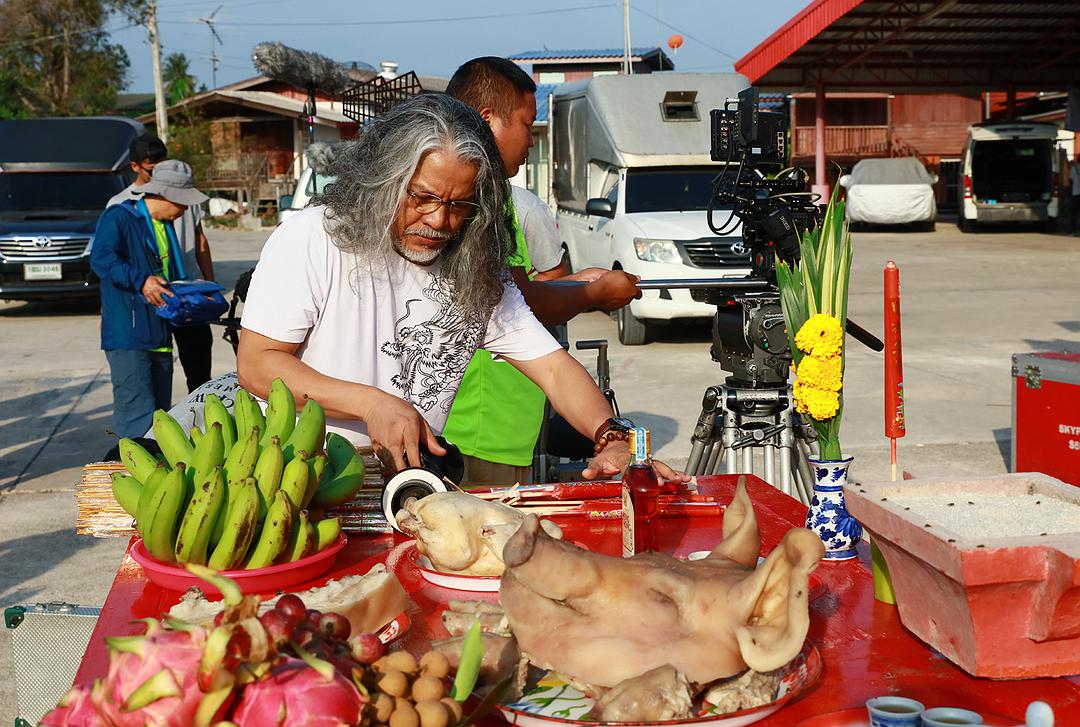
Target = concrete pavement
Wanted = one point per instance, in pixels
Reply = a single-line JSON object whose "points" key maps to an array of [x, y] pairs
{"points": [[969, 302]]}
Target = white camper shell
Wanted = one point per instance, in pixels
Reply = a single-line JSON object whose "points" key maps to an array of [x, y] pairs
{"points": [[1009, 174], [631, 177]]}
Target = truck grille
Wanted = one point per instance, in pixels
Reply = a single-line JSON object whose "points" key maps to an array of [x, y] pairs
{"points": [[43, 247], [715, 253]]}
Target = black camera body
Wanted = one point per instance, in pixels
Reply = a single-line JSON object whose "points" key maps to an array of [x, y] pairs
{"points": [[775, 207]]}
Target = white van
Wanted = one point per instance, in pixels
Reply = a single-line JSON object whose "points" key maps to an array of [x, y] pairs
{"points": [[1009, 174], [632, 177], [309, 184]]}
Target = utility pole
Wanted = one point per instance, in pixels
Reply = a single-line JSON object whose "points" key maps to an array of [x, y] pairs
{"points": [[627, 66], [159, 89]]}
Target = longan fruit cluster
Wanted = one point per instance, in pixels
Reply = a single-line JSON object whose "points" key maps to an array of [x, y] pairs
{"points": [[411, 693]]}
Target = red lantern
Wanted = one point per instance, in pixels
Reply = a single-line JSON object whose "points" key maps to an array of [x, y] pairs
{"points": [[675, 42]]}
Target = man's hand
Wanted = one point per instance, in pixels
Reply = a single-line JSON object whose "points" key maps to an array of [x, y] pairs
{"points": [[154, 288], [615, 458], [396, 429], [613, 290], [585, 276]]}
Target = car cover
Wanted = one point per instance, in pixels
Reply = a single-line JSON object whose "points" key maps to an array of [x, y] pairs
{"points": [[890, 192]]}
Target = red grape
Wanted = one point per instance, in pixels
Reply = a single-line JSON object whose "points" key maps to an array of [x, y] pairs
{"points": [[304, 634], [366, 648], [334, 626], [293, 608], [313, 615], [278, 628]]}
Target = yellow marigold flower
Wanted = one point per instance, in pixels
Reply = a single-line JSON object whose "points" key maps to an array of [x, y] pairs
{"points": [[820, 336], [819, 404], [822, 373]]}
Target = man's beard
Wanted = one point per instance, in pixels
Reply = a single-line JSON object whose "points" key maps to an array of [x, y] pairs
{"points": [[427, 255]]}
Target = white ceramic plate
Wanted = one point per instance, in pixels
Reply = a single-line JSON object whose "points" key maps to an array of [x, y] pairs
{"points": [[474, 584], [551, 702]]}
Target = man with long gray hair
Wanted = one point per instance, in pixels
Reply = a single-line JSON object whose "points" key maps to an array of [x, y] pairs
{"points": [[374, 300]]}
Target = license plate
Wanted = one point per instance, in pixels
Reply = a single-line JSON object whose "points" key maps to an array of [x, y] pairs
{"points": [[42, 271]]}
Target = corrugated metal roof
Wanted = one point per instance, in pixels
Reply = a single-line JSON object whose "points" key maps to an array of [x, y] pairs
{"points": [[920, 46], [594, 53], [543, 90]]}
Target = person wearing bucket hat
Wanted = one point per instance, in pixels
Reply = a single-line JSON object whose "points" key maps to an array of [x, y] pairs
{"points": [[135, 253], [194, 343]]}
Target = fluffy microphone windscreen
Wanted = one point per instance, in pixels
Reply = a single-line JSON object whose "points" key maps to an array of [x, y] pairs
{"points": [[300, 68]]}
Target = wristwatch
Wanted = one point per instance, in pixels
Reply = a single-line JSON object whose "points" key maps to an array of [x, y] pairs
{"points": [[612, 429]]}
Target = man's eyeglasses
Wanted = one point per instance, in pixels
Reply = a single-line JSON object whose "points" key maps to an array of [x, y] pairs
{"points": [[425, 204]]}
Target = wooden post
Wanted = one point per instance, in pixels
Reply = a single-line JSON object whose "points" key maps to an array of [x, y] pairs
{"points": [[820, 185]]}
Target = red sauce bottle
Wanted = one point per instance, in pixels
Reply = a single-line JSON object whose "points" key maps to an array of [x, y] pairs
{"points": [[640, 498]]}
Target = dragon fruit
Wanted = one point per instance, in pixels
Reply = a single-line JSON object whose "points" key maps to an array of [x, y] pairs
{"points": [[76, 708], [296, 694]]}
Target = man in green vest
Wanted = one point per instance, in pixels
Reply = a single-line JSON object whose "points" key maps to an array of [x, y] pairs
{"points": [[496, 416]]}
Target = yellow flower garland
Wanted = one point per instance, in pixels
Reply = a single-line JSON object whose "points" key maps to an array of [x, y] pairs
{"points": [[821, 373], [821, 336]]}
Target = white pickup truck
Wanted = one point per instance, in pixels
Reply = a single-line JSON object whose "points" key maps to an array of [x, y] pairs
{"points": [[632, 179]]}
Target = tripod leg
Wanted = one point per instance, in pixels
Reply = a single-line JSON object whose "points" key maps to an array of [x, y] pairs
{"points": [[716, 451], [747, 461], [768, 456]]}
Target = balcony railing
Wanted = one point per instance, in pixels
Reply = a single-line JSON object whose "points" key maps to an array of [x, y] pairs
{"points": [[842, 140]]}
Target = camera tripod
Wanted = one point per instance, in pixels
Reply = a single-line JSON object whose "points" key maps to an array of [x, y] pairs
{"points": [[753, 431]]}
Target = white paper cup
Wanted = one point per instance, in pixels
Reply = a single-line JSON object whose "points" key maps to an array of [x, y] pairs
{"points": [[950, 717], [894, 712]]}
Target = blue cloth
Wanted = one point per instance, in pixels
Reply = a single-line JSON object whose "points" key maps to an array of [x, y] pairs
{"points": [[193, 303], [124, 255], [141, 383]]}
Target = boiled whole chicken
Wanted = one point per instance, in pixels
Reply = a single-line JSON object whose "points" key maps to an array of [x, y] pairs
{"points": [[461, 533]]}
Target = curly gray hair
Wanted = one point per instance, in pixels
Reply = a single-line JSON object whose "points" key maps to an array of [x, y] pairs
{"points": [[373, 172]]}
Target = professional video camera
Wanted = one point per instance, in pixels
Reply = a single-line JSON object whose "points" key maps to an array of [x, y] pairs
{"points": [[775, 207]]}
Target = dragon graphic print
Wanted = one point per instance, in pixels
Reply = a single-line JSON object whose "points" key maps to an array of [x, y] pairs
{"points": [[433, 353]]}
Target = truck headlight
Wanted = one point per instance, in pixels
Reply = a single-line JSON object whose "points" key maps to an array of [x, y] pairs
{"points": [[657, 251]]}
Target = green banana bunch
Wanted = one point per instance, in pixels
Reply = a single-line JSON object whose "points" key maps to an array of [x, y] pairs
{"points": [[143, 512], [139, 463], [202, 513], [346, 475], [195, 434], [215, 412], [165, 506], [294, 482], [127, 490], [276, 529], [241, 460], [310, 431], [327, 531], [247, 412], [209, 452], [302, 541], [239, 529], [267, 474], [280, 413], [170, 436], [316, 471]]}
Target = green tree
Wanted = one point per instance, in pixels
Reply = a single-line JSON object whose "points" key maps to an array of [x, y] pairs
{"points": [[179, 83], [56, 58], [189, 141]]}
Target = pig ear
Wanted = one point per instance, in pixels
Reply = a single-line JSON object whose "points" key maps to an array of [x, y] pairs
{"points": [[778, 600], [742, 541]]}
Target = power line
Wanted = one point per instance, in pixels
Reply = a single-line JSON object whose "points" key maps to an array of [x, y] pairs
{"points": [[685, 34], [462, 18]]}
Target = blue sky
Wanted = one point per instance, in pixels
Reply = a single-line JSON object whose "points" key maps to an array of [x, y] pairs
{"points": [[433, 37]]}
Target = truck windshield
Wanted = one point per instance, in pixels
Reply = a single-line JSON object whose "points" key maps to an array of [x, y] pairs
{"points": [[67, 191], [669, 189]]}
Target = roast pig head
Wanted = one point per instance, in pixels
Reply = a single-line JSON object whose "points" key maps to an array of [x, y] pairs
{"points": [[460, 533], [600, 619]]}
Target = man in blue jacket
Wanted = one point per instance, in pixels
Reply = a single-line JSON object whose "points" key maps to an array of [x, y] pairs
{"points": [[135, 254]]}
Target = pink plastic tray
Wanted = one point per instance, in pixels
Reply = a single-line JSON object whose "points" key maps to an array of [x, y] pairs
{"points": [[261, 580]]}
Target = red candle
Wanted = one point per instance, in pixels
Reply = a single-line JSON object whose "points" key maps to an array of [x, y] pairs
{"points": [[894, 365]]}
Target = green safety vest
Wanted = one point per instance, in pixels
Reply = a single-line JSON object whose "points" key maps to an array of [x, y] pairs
{"points": [[498, 411]]}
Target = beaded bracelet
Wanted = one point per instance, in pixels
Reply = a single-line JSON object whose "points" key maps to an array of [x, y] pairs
{"points": [[609, 436]]}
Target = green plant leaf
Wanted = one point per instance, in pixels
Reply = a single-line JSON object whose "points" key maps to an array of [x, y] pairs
{"points": [[472, 653]]}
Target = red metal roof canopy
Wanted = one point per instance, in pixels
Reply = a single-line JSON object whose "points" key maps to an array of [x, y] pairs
{"points": [[935, 45]]}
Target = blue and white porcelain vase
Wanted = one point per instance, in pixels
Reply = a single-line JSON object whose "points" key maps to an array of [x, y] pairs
{"points": [[828, 515]]}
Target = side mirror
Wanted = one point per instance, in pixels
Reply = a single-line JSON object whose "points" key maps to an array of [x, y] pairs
{"points": [[600, 206], [935, 178], [285, 202], [845, 180]]}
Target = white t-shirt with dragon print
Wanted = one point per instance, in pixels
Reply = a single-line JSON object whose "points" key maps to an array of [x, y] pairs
{"points": [[388, 323]]}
